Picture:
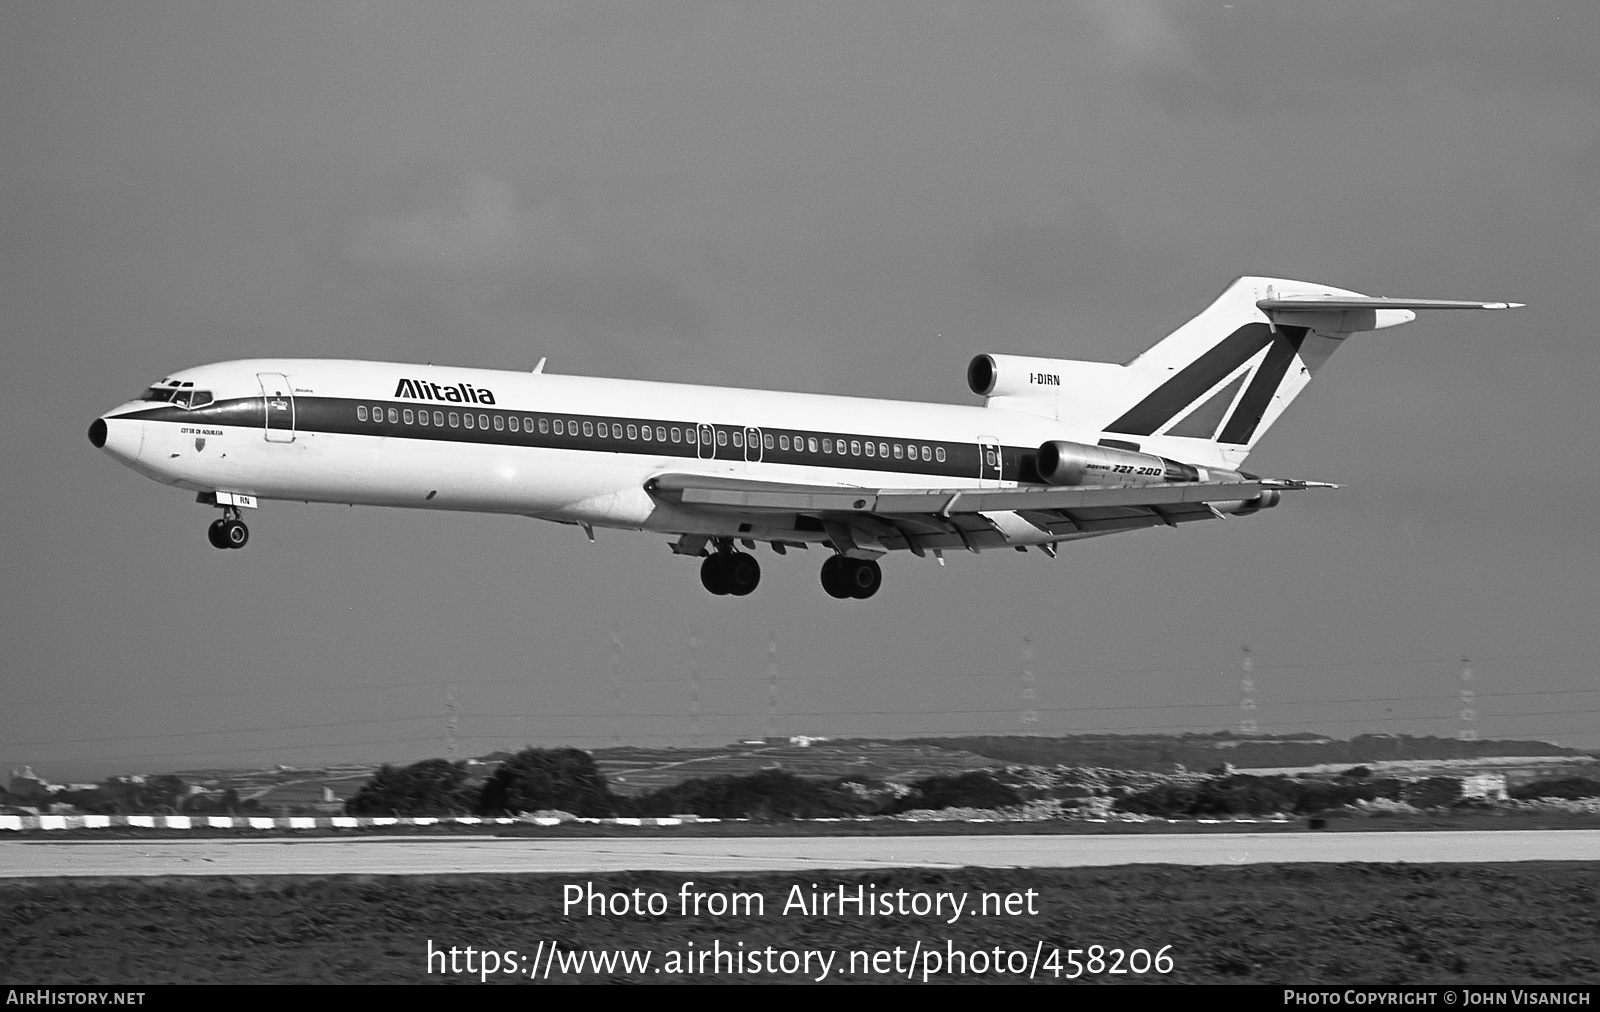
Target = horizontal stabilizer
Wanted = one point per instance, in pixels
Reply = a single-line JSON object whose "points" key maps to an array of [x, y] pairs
{"points": [[1317, 303]]}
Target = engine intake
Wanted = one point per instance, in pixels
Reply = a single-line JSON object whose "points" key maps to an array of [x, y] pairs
{"points": [[1065, 463], [1016, 376]]}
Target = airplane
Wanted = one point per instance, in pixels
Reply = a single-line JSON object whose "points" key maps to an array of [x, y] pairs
{"points": [[1060, 450]]}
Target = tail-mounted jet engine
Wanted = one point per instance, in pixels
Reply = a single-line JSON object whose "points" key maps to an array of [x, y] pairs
{"points": [[1016, 375], [1065, 463]]}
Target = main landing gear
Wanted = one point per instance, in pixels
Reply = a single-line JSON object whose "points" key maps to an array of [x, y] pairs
{"points": [[229, 531], [730, 572], [844, 577], [733, 573]]}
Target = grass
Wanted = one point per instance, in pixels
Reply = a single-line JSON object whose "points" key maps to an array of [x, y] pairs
{"points": [[1332, 924]]}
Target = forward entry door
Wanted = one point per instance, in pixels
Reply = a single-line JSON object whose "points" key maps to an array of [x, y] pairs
{"points": [[279, 398]]}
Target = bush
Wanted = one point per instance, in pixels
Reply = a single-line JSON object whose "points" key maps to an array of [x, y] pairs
{"points": [[1434, 792], [769, 794], [1250, 795], [1570, 788], [967, 790], [535, 778], [429, 787]]}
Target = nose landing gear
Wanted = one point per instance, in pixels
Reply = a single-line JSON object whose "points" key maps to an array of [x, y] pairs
{"points": [[844, 577], [229, 531]]}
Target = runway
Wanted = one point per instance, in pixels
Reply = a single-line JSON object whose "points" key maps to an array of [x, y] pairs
{"points": [[424, 855]]}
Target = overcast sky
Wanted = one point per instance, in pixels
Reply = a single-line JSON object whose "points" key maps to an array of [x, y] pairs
{"points": [[840, 197]]}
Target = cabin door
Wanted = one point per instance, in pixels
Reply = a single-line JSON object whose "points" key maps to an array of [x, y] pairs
{"points": [[279, 398], [752, 446], [989, 462]]}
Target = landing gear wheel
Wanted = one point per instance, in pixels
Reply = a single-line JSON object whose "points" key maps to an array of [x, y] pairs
{"points": [[730, 573], [713, 574], [741, 573], [864, 578], [858, 578], [214, 534], [234, 533], [833, 577]]}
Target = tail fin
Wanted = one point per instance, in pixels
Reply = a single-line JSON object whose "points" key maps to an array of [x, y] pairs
{"points": [[1211, 389]]}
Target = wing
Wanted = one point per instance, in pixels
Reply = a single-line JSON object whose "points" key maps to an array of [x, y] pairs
{"points": [[867, 521]]}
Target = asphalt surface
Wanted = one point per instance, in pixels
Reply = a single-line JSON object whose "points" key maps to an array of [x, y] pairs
{"points": [[429, 855]]}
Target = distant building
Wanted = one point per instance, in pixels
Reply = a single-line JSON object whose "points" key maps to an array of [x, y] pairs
{"points": [[1489, 786], [805, 740]]}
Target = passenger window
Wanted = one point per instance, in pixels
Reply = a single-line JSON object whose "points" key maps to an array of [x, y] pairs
{"points": [[633, 432], [722, 438], [361, 412], [406, 414], [938, 453], [883, 449], [561, 428], [927, 453], [644, 433], [544, 425], [616, 430], [989, 455], [466, 421], [572, 426], [766, 440], [588, 428], [438, 418], [455, 420], [483, 421], [500, 422], [811, 444], [827, 446], [897, 451], [394, 416], [783, 442], [422, 418], [839, 448], [512, 421], [738, 439], [677, 434], [872, 451]]}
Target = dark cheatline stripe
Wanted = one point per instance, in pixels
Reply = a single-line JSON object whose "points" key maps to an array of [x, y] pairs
{"points": [[1203, 421], [1285, 346], [1193, 381], [338, 415]]}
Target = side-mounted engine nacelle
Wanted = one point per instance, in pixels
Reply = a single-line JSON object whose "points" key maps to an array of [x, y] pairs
{"points": [[1065, 463], [1015, 375]]}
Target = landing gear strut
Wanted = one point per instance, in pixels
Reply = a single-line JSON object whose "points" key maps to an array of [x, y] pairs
{"points": [[846, 577], [229, 531], [729, 572]]}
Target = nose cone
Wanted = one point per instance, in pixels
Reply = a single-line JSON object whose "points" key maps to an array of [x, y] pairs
{"points": [[123, 438]]}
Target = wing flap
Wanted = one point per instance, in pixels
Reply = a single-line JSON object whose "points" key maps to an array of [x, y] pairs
{"points": [[718, 492]]}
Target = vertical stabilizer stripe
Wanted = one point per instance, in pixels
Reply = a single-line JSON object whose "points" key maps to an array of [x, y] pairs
{"points": [[1193, 380], [1268, 378]]}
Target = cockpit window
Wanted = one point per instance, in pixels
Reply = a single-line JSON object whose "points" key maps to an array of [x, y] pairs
{"points": [[184, 397]]}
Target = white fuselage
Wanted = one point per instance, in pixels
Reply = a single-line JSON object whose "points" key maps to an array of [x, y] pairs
{"points": [[529, 443]]}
